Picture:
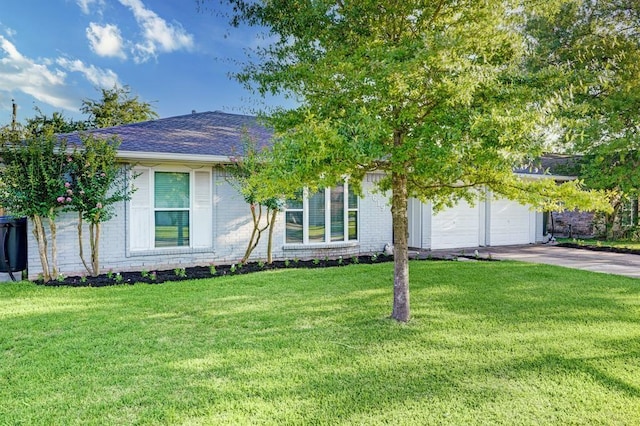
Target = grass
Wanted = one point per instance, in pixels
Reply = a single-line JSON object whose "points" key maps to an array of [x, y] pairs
{"points": [[489, 343], [635, 245]]}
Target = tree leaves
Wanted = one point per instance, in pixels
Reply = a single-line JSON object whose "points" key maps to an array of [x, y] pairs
{"points": [[116, 107], [441, 96]]}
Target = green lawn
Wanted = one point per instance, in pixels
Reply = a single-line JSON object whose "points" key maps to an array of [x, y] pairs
{"points": [[489, 343]]}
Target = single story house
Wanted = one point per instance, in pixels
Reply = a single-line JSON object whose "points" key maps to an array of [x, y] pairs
{"points": [[185, 211]]}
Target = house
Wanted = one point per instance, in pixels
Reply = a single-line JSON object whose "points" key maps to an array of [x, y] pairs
{"points": [[186, 212]]}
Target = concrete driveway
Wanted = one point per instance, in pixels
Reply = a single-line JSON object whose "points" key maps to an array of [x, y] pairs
{"points": [[595, 261]]}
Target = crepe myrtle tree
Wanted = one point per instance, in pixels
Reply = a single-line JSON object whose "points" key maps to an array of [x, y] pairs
{"points": [[241, 170], [95, 183], [31, 183], [434, 94]]}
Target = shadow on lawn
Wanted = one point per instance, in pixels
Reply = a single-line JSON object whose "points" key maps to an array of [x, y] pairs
{"points": [[553, 365], [530, 292]]}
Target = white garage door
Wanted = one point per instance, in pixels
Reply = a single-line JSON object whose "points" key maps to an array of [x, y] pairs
{"points": [[457, 227], [510, 223]]}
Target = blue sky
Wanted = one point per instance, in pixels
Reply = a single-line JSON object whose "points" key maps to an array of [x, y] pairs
{"points": [[54, 53]]}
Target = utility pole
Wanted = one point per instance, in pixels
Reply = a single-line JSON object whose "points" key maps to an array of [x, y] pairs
{"points": [[14, 115]]}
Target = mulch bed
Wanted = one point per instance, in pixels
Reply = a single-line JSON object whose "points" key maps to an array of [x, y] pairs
{"points": [[599, 248], [158, 277]]}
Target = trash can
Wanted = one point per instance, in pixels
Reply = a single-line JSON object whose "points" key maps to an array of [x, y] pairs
{"points": [[13, 244]]}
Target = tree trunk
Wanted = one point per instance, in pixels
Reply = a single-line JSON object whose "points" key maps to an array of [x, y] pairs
{"points": [[80, 243], [54, 247], [94, 235], [272, 223], [256, 234], [251, 245], [610, 221], [399, 200], [41, 238]]}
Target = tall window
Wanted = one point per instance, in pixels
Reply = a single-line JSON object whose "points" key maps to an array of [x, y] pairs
{"points": [[329, 215], [171, 207]]}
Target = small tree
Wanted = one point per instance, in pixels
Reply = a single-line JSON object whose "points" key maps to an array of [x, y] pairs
{"points": [[243, 168], [32, 185], [96, 183]]}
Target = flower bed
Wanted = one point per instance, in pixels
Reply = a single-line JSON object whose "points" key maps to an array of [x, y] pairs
{"points": [[197, 272]]}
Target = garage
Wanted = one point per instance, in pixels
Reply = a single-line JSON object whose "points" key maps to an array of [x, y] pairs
{"points": [[510, 222], [458, 226], [486, 223]]}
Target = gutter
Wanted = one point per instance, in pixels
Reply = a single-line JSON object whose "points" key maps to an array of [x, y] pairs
{"points": [[172, 157], [560, 178]]}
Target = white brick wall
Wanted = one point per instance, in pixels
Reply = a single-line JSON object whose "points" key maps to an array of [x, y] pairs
{"points": [[231, 231]]}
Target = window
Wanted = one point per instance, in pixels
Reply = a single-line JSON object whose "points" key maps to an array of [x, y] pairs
{"points": [[171, 208], [329, 215]]}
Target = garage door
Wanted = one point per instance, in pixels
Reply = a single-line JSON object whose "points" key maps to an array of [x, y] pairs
{"points": [[510, 223], [457, 227]]}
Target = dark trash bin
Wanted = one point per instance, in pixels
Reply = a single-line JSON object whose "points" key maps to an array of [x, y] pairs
{"points": [[13, 244]]}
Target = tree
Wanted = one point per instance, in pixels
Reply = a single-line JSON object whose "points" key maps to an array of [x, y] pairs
{"points": [[615, 167], [32, 185], [435, 94], [42, 178], [116, 107], [42, 124], [96, 183], [242, 169], [597, 46]]}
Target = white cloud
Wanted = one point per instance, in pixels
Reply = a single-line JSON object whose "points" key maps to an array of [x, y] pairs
{"points": [[84, 4], [18, 73], [46, 79], [158, 35], [95, 75], [105, 40]]}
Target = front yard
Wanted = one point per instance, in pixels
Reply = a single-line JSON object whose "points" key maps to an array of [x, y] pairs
{"points": [[489, 343]]}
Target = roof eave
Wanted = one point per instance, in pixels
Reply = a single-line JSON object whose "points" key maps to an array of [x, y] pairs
{"points": [[559, 178], [172, 157]]}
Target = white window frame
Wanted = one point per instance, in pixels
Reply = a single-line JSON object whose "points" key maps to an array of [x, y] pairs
{"points": [[327, 219], [156, 209], [142, 208]]}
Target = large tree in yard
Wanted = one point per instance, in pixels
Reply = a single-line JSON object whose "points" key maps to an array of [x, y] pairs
{"points": [[434, 94], [599, 43]]}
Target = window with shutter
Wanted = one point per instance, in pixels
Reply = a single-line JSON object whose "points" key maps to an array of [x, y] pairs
{"points": [[171, 208], [140, 208]]}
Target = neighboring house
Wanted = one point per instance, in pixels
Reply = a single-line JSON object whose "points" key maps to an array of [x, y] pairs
{"points": [[185, 212], [568, 223]]}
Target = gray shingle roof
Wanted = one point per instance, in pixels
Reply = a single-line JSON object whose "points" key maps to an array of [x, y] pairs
{"points": [[199, 134], [552, 164]]}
